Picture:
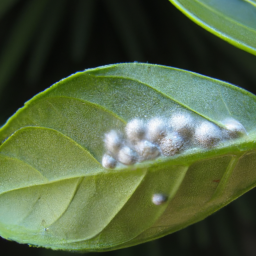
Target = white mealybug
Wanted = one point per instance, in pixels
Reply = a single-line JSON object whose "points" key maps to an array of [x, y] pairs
{"points": [[146, 150], [171, 144], [234, 128], [156, 129], [135, 130], [182, 123], [113, 141], [108, 161], [127, 156], [159, 199], [207, 134]]}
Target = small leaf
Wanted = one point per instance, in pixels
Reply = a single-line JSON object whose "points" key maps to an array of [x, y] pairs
{"points": [[233, 21], [54, 191], [253, 2]]}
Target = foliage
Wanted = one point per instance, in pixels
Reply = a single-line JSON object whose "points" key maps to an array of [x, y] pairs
{"points": [[151, 61], [56, 141], [234, 22]]}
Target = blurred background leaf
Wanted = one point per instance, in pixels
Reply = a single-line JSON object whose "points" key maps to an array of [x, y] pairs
{"points": [[233, 21], [44, 41]]}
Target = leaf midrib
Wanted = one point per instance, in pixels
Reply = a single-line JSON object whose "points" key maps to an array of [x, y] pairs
{"points": [[178, 160]]}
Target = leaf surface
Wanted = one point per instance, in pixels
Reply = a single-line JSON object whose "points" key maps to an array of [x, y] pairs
{"points": [[54, 191], [233, 21]]}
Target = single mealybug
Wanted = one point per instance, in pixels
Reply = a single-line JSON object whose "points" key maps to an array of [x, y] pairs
{"points": [[156, 129], [113, 141], [146, 150], [159, 199], [108, 161], [234, 129], [127, 156], [207, 134], [135, 130], [182, 123], [171, 144]]}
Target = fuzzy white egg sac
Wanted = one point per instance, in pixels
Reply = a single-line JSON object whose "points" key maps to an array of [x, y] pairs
{"points": [[135, 130], [234, 129], [171, 144], [146, 150], [108, 161], [182, 123], [127, 156], [207, 134], [159, 199], [113, 141], [156, 129]]}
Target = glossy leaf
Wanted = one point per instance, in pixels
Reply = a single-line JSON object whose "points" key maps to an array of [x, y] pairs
{"points": [[252, 2], [233, 21], [54, 191]]}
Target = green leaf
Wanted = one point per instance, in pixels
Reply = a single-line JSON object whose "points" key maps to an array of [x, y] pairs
{"points": [[252, 2], [233, 21], [54, 191]]}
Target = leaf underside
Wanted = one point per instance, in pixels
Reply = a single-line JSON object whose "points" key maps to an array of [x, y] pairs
{"points": [[54, 191], [233, 21]]}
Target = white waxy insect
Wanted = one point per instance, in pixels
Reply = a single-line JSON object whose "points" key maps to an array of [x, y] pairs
{"points": [[146, 150], [159, 199], [113, 141], [171, 144], [182, 123], [135, 130], [207, 134], [234, 128], [127, 156], [108, 161], [156, 129]]}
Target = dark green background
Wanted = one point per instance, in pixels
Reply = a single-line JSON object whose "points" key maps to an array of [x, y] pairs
{"points": [[43, 41]]}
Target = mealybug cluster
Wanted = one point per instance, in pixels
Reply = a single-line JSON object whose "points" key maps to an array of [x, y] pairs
{"points": [[144, 140]]}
